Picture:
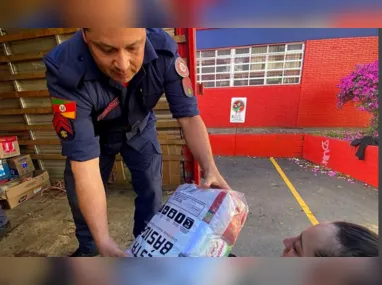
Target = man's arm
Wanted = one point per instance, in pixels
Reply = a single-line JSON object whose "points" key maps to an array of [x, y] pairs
{"points": [[184, 107], [197, 140], [74, 126], [196, 136], [92, 202], [91, 197]]}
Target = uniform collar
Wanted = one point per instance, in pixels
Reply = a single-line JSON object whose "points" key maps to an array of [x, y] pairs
{"points": [[92, 71], [78, 63], [150, 53]]}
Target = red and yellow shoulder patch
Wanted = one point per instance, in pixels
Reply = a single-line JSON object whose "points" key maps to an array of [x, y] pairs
{"points": [[187, 87], [64, 107], [63, 127]]}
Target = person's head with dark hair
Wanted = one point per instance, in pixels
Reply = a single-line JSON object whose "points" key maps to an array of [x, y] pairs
{"points": [[118, 52], [336, 239]]}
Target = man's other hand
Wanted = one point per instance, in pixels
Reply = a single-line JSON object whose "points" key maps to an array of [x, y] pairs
{"points": [[213, 179], [108, 248]]}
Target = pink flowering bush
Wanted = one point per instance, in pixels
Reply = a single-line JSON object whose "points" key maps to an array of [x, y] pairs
{"points": [[347, 135], [361, 87]]}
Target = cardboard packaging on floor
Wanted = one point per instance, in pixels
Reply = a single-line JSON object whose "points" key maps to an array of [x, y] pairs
{"points": [[20, 165], [17, 191], [5, 174], [9, 147]]}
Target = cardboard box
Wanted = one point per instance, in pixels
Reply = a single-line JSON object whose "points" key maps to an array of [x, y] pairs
{"points": [[9, 147], [20, 165], [15, 193], [5, 174]]}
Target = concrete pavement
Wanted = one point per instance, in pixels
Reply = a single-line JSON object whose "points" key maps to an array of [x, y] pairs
{"points": [[46, 229], [275, 212]]}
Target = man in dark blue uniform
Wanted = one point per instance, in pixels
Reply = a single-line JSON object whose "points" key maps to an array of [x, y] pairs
{"points": [[104, 84]]}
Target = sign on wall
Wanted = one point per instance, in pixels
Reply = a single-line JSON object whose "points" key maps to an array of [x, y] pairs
{"points": [[238, 110]]}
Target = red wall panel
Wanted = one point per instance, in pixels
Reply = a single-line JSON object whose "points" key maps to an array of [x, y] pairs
{"points": [[257, 145], [325, 63], [223, 144], [342, 158], [267, 106]]}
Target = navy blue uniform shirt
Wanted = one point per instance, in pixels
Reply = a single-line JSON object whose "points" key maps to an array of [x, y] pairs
{"points": [[75, 83]]}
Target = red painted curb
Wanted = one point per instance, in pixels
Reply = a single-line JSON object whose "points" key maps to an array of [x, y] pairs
{"points": [[336, 154], [340, 156]]}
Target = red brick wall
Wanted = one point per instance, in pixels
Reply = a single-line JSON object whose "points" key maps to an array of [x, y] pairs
{"points": [[267, 106], [310, 104], [325, 63], [257, 145]]}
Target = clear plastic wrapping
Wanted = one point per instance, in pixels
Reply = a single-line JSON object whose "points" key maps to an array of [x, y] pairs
{"points": [[193, 222]]}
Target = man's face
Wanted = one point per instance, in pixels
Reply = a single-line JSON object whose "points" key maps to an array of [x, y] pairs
{"points": [[118, 52], [319, 237]]}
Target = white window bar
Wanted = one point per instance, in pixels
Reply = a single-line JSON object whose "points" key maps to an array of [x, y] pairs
{"points": [[268, 64]]}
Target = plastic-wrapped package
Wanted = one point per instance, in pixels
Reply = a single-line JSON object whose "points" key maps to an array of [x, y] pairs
{"points": [[193, 222]]}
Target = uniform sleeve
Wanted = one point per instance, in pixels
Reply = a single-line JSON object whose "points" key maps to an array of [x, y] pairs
{"points": [[182, 100], [72, 121]]}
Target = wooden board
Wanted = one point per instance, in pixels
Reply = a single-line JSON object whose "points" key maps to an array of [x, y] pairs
{"points": [[23, 127], [58, 142], [48, 110], [22, 57], [118, 158], [25, 94], [36, 33]]}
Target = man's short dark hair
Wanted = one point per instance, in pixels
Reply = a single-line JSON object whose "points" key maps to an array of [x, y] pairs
{"points": [[355, 241]]}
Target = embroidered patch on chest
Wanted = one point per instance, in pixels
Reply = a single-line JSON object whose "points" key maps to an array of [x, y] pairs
{"points": [[113, 104]]}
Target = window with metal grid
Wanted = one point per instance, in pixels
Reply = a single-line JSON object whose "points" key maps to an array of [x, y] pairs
{"points": [[251, 66]]}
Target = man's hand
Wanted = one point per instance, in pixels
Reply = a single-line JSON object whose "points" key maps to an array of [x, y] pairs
{"points": [[213, 179], [109, 248]]}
